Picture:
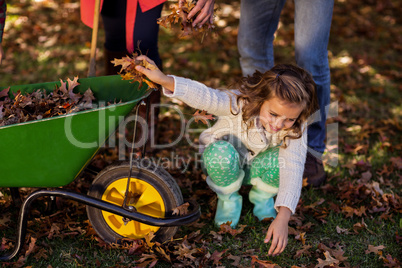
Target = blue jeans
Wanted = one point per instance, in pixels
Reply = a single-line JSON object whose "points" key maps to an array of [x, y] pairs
{"points": [[258, 23]]}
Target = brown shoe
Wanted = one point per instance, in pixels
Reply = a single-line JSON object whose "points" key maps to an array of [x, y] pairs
{"points": [[314, 171]]}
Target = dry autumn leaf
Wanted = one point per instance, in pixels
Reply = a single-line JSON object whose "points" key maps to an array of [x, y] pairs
{"points": [[216, 236], [261, 263], [54, 229], [305, 183], [4, 220], [329, 261], [389, 261], [337, 253], [148, 238], [304, 251], [163, 253], [340, 230], [236, 260], [397, 161], [4, 92], [134, 246], [4, 244], [42, 254], [186, 251], [147, 260], [125, 62], [203, 117], [217, 256], [301, 237], [181, 210], [226, 228], [71, 85], [349, 211], [31, 247], [374, 249]]}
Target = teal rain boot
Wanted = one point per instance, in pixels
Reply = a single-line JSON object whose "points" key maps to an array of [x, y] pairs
{"points": [[229, 201], [263, 203], [228, 209]]}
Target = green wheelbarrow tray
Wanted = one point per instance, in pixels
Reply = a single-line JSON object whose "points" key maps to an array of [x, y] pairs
{"points": [[52, 152]]}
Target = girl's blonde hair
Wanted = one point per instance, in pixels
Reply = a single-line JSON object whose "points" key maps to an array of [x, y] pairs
{"points": [[284, 81]]}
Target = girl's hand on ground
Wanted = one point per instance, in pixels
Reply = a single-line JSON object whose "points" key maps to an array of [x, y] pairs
{"points": [[154, 74], [278, 231]]}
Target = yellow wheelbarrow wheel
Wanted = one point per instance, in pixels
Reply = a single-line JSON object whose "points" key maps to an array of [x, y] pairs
{"points": [[152, 191], [143, 196]]}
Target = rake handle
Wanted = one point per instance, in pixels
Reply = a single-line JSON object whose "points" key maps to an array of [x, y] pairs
{"points": [[92, 60]]}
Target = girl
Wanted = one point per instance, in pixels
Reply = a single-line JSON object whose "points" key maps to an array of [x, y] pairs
{"points": [[259, 138]]}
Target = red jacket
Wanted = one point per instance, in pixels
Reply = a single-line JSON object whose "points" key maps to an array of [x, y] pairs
{"points": [[87, 15]]}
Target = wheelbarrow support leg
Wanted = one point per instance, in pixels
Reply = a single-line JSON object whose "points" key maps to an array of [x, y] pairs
{"points": [[21, 231], [15, 195], [100, 204]]}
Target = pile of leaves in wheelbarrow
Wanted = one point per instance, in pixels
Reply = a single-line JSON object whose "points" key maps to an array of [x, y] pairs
{"points": [[39, 104], [62, 100]]}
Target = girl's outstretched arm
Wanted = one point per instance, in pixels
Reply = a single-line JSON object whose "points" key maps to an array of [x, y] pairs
{"points": [[154, 74], [278, 231], [193, 93]]}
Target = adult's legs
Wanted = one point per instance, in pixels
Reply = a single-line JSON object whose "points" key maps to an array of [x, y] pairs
{"points": [[312, 28], [258, 23]]}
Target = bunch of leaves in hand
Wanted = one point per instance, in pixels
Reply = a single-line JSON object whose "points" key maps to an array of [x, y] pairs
{"points": [[180, 15], [128, 71], [39, 104]]}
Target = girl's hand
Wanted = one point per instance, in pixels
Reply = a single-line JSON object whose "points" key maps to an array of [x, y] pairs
{"points": [[278, 231], [154, 74]]}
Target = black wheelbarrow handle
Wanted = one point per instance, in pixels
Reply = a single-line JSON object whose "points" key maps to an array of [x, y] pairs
{"points": [[90, 201]]}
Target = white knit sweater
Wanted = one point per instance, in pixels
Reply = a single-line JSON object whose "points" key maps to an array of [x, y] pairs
{"points": [[248, 143]]}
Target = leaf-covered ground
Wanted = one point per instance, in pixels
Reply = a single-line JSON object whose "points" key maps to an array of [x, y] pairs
{"points": [[352, 221]]}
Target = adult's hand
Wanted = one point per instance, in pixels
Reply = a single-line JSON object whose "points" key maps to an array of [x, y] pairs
{"points": [[206, 8]]}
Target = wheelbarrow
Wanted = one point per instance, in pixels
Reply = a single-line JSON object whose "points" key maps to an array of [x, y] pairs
{"points": [[126, 200]]}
